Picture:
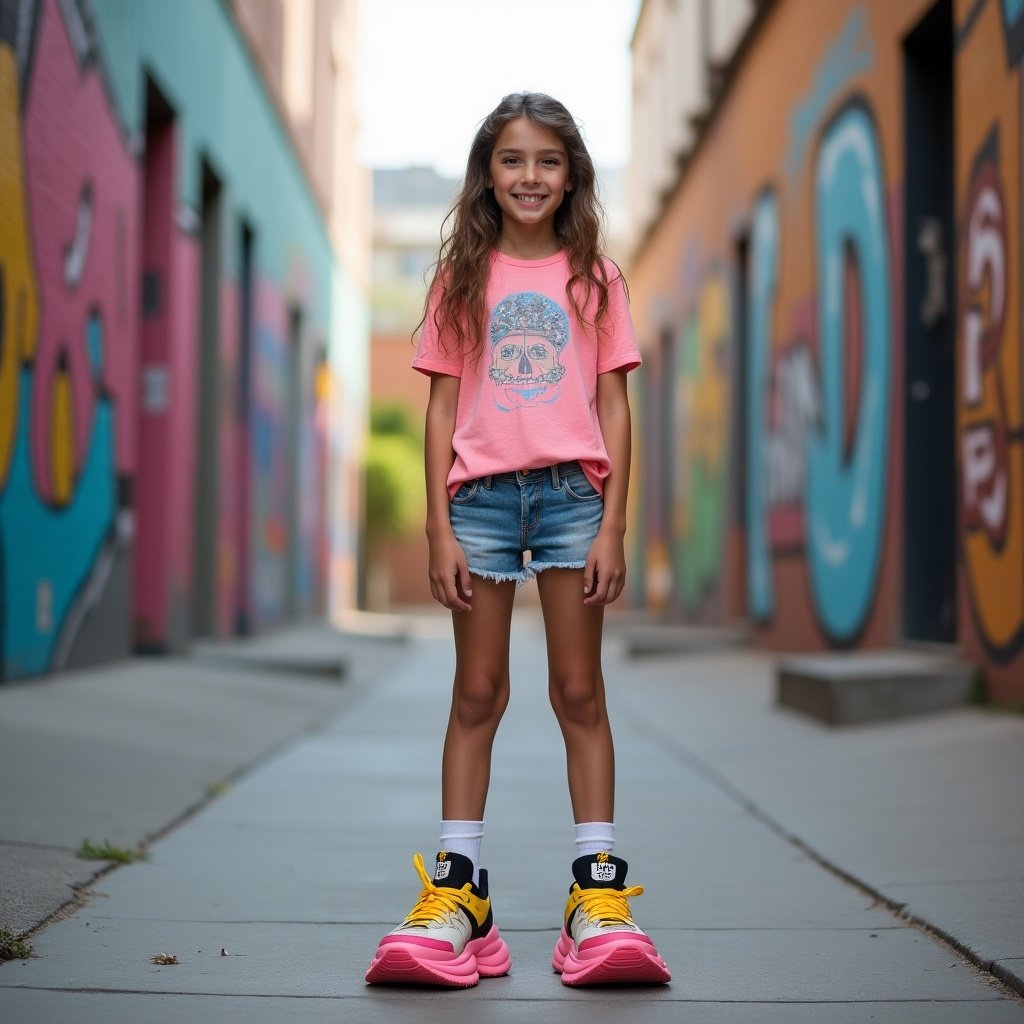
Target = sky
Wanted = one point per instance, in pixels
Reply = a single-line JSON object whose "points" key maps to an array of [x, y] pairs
{"points": [[431, 70]]}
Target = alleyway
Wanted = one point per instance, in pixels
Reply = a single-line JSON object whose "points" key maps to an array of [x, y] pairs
{"points": [[273, 895]]}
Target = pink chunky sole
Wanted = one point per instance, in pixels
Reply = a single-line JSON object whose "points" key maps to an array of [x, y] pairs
{"points": [[404, 960], [616, 959]]}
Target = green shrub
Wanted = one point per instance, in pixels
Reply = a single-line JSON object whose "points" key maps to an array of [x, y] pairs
{"points": [[393, 418], [394, 487]]}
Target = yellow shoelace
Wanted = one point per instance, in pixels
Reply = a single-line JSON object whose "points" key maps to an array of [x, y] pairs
{"points": [[434, 903], [608, 906]]}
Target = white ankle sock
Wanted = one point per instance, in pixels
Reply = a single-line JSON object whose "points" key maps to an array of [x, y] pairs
{"points": [[594, 837], [464, 837]]}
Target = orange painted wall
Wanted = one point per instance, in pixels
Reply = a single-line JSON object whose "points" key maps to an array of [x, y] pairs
{"points": [[393, 380]]}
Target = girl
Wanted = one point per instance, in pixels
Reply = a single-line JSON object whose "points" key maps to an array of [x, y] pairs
{"points": [[527, 340]]}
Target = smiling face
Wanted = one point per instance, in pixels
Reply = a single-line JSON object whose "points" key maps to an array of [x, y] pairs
{"points": [[529, 172]]}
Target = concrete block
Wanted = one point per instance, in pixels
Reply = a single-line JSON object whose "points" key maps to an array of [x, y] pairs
{"points": [[852, 687]]}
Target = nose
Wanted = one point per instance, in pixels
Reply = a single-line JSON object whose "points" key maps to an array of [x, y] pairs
{"points": [[525, 366]]}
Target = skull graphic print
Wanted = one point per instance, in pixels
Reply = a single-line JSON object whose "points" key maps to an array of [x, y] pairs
{"points": [[527, 334]]}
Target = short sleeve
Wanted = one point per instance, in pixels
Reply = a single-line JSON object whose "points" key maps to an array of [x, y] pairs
{"points": [[430, 356], [618, 349]]}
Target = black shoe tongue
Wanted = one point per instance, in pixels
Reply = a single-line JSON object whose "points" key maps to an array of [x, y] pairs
{"points": [[452, 870], [600, 871]]}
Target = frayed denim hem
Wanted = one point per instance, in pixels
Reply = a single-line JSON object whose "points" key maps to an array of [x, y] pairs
{"points": [[527, 573], [518, 578]]}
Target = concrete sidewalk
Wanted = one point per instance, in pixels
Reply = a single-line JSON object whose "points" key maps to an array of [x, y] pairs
{"points": [[773, 849], [120, 753]]}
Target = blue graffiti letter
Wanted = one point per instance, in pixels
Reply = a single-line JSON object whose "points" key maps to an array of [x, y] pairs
{"points": [[761, 283], [846, 492]]}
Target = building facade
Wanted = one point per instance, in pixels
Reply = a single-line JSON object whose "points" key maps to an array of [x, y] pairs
{"points": [[174, 338], [826, 280]]}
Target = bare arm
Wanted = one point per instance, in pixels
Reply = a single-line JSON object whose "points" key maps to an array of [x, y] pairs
{"points": [[449, 572], [605, 574]]}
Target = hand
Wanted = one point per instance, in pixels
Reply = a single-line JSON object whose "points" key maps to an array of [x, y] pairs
{"points": [[604, 575], [449, 574]]}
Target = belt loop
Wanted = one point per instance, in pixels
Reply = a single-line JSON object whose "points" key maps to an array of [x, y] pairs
{"points": [[556, 480], [488, 480]]}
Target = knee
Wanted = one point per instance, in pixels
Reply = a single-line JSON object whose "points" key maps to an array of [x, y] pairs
{"points": [[480, 700], [578, 700]]}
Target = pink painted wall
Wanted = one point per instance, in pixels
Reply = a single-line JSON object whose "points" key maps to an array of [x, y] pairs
{"points": [[163, 564]]}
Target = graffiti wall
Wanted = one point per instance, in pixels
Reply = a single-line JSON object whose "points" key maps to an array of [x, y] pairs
{"points": [[285, 464], [162, 443], [68, 319], [774, 292]]}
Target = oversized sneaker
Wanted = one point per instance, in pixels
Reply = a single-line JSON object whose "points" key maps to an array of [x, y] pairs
{"points": [[600, 943], [449, 937]]}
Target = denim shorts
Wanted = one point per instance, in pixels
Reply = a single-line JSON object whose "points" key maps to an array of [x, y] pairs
{"points": [[554, 513]]}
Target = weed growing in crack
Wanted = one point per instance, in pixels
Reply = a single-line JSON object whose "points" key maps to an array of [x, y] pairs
{"points": [[107, 851], [14, 947]]}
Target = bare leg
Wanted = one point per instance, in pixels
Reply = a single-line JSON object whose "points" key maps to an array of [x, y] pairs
{"points": [[576, 689], [479, 698]]}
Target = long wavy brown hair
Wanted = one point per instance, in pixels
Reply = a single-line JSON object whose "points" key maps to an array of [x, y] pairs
{"points": [[472, 228]]}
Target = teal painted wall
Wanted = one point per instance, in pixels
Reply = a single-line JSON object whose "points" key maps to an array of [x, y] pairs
{"points": [[193, 52]]}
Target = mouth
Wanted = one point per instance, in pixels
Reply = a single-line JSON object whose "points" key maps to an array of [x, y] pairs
{"points": [[530, 198]]}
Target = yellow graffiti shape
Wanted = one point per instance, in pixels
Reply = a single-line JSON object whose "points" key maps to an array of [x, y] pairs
{"points": [[19, 294], [702, 385], [702, 389], [62, 451], [714, 328]]}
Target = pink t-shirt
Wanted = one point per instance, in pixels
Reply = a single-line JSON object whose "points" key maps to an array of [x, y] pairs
{"points": [[530, 400]]}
